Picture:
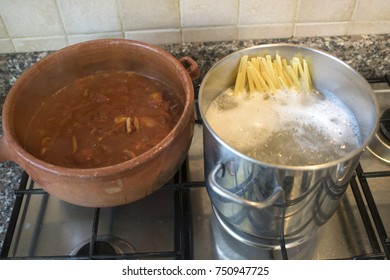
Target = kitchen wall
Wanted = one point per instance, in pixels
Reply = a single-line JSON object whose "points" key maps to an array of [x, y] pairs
{"points": [[35, 25]]}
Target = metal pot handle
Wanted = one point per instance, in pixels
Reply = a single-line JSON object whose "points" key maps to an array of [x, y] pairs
{"points": [[191, 66], [213, 184]]}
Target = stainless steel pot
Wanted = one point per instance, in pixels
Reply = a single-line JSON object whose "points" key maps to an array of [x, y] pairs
{"points": [[257, 202]]}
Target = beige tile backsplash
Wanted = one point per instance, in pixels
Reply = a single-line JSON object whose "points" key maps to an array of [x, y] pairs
{"points": [[206, 13], [89, 16], [35, 25], [325, 11], [259, 12], [143, 15]]}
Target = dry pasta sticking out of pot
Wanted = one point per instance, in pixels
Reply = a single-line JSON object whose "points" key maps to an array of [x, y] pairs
{"points": [[264, 74]]}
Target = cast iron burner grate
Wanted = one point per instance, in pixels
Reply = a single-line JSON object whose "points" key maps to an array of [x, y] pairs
{"points": [[98, 247], [361, 191]]}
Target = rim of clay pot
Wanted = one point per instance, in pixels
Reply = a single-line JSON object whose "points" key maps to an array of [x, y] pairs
{"points": [[10, 136]]}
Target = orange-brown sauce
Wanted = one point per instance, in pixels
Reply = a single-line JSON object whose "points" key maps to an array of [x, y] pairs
{"points": [[102, 120]]}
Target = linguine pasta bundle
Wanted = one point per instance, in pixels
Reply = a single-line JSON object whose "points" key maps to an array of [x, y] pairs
{"points": [[264, 74]]}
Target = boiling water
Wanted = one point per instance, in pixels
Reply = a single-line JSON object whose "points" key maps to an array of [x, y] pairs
{"points": [[287, 128]]}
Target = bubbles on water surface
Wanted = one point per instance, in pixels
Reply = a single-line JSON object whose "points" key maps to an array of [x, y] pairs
{"points": [[288, 128]]}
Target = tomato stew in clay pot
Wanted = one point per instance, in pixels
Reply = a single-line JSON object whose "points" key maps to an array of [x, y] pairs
{"points": [[101, 123]]}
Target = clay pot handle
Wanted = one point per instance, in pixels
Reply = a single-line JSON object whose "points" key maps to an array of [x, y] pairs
{"points": [[4, 150], [191, 66]]}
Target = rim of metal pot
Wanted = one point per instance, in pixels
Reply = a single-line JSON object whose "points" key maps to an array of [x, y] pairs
{"points": [[8, 131], [348, 156]]}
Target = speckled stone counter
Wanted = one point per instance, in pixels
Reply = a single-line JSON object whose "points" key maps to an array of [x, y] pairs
{"points": [[367, 54]]}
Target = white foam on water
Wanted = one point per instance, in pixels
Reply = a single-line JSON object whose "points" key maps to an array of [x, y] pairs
{"points": [[288, 127]]}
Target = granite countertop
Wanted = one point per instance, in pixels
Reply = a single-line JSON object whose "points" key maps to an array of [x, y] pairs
{"points": [[368, 54]]}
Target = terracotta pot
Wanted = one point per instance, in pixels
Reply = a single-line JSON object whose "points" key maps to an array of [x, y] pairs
{"points": [[112, 185]]}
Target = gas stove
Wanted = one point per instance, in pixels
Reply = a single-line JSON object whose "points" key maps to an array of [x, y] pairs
{"points": [[177, 221]]}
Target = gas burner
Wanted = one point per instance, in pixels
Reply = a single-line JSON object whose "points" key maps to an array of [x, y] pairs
{"points": [[104, 246], [100, 248], [380, 145], [385, 125]]}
